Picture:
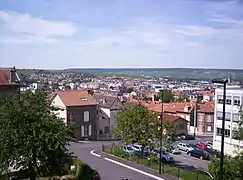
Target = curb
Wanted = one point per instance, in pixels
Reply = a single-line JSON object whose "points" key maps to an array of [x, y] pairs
{"points": [[107, 154]]}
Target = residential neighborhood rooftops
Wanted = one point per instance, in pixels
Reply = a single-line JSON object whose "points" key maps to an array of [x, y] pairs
{"points": [[172, 118], [76, 98], [106, 101], [208, 108]]}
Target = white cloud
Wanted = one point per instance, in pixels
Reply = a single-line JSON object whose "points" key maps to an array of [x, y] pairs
{"points": [[195, 30], [40, 28]]}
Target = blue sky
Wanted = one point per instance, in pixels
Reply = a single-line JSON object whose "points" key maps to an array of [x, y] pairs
{"points": [[57, 34]]}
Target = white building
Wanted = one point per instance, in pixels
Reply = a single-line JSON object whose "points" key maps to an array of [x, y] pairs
{"points": [[234, 102]]}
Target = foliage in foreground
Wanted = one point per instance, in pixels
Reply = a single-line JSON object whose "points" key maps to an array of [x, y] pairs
{"points": [[135, 125], [32, 137], [233, 165]]}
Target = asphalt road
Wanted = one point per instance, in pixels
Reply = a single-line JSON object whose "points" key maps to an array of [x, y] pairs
{"points": [[111, 171], [106, 169]]}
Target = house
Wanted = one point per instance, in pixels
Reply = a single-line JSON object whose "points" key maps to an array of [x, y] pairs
{"points": [[205, 119], [80, 108], [9, 83], [185, 110], [108, 108], [181, 123]]}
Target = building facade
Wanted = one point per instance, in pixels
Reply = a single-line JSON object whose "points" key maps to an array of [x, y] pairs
{"points": [[234, 102], [79, 108], [9, 83]]}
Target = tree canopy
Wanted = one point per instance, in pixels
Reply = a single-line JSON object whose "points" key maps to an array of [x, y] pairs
{"points": [[138, 124], [135, 125], [32, 137], [167, 96]]}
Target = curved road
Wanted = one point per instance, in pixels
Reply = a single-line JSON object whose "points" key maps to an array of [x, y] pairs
{"points": [[107, 170]]}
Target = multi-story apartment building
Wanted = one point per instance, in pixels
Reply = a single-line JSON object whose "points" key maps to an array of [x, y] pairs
{"points": [[234, 102]]}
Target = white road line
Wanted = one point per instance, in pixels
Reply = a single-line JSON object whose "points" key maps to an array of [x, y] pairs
{"points": [[94, 154], [134, 169]]}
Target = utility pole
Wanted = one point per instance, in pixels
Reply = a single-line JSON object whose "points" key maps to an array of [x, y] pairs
{"points": [[161, 131], [195, 119]]}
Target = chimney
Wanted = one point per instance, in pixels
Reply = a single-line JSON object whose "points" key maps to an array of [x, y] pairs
{"points": [[13, 77], [186, 108]]}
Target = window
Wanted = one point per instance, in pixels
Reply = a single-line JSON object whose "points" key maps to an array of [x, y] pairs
{"points": [[227, 116], [86, 116], [71, 117], [208, 118], [228, 100], [220, 99], [86, 130], [90, 130], [106, 129], [235, 135], [219, 131], [236, 100], [219, 115], [236, 117], [209, 128], [226, 132]]}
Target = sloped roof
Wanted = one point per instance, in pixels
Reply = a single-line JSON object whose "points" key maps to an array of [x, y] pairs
{"points": [[76, 98], [106, 101]]}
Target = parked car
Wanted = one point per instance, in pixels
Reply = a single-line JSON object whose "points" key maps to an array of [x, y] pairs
{"points": [[165, 156], [128, 149], [137, 147], [185, 147], [209, 144], [174, 150], [186, 137], [201, 145], [213, 152], [199, 153]]}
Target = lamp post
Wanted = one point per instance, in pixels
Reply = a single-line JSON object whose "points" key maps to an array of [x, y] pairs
{"points": [[161, 130], [224, 82]]}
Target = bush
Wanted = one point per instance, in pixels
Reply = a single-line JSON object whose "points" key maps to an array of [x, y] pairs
{"points": [[83, 172]]}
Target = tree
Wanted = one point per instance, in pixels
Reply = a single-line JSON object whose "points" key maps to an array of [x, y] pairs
{"points": [[135, 124], [183, 98], [233, 166], [32, 137], [167, 96]]}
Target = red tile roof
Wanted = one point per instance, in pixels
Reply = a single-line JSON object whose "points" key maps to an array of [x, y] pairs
{"points": [[168, 107], [172, 118], [76, 98], [5, 77], [207, 108]]}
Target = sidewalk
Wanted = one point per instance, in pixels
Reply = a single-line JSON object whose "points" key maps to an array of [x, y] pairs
{"points": [[137, 166]]}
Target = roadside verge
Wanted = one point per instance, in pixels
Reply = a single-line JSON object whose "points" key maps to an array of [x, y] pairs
{"points": [[135, 167]]}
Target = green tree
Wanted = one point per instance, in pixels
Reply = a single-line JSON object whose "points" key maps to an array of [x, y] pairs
{"points": [[167, 96], [229, 168], [233, 165], [32, 137], [135, 124], [183, 98]]}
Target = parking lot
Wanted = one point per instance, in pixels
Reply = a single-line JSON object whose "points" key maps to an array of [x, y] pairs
{"points": [[190, 162]]}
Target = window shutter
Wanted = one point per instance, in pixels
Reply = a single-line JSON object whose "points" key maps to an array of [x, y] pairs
{"points": [[82, 131], [90, 130]]}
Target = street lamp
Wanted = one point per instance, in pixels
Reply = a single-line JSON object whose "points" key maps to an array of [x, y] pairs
{"points": [[224, 82], [161, 130]]}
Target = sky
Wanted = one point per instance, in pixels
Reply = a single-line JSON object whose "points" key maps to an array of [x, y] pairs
{"points": [[59, 34]]}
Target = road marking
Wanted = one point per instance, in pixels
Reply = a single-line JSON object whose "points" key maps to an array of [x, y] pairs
{"points": [[94, 154], [134, 169]]}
